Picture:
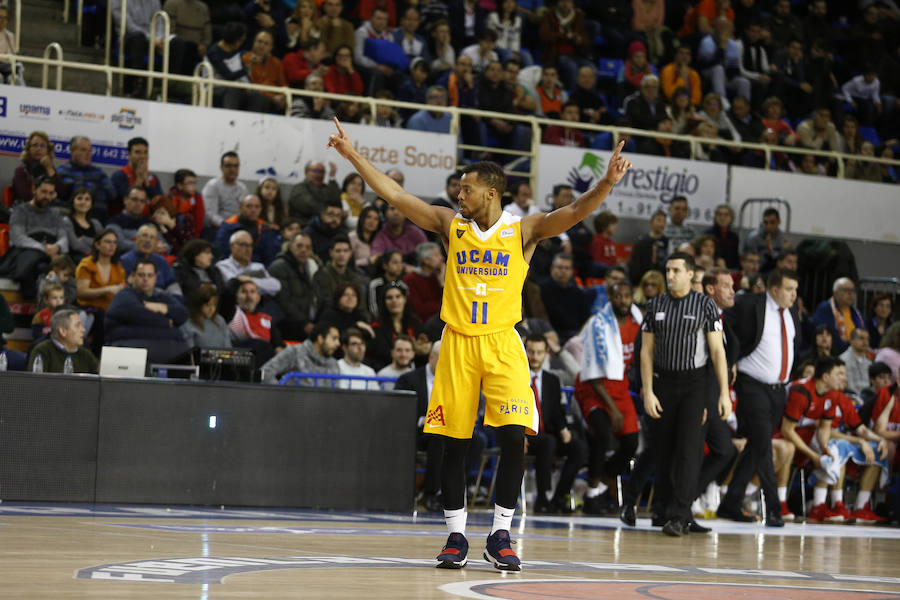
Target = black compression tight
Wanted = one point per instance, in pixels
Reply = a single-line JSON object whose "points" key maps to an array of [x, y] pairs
{"points": [[511, 439], [453, 473]]}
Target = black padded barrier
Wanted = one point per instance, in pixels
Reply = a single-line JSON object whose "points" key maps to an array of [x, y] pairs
{"points": [[48, 437], [154, 442]]}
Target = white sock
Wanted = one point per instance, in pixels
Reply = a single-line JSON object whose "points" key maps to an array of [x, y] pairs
{"points": [[751, 489], [837, 496], [862, 498], [456, 520], [502, 518], [819, 495], [593, 492], [782, 494]]}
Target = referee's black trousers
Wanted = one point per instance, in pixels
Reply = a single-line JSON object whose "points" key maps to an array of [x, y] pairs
{"points": [[717, 436], [679, 437], [759, 410]]}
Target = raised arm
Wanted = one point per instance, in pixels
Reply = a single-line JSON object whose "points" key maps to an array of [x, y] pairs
{"points": [[546, 225], [426, 216]]}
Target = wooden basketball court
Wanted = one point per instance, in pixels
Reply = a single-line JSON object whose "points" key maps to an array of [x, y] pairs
{"points": [[128, 551]]}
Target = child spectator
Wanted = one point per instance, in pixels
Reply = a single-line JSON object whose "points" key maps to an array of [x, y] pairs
{"points": [[186, 198], [62, 268], [52, 296], [603, 248]]}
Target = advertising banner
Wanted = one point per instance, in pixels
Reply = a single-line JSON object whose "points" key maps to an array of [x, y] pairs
{"points": [[825, 206], [108, 122], [192, 137], [649, 186], [195, 138]]}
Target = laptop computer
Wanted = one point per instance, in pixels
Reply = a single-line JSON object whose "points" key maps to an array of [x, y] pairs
{"points": [[123, 362]]}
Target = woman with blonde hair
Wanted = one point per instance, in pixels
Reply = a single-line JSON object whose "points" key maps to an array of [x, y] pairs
{"points": [[302, 30], [37, 159], [652, 285]]}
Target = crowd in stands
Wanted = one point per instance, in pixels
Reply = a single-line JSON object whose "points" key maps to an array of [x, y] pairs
{"points": [[283, 274], [325, 278], [820, 74]]}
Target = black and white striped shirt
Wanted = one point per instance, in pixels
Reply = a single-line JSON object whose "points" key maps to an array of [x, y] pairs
{"points": [[679, 326]]}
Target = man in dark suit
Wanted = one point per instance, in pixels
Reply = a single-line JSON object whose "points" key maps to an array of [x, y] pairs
{"points": [[718, 285], [421, 381], [768, 330], [644, 109], [554, 438]]}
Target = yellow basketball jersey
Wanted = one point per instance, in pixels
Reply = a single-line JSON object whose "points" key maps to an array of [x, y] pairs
{"points": [[485, 274]]}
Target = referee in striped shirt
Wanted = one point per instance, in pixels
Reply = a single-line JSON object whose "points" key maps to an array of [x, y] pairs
{"points": [[681, 332]]}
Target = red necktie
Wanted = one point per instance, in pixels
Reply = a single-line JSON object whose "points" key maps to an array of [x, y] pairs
{"points": [[537, 401], [784, 348]]}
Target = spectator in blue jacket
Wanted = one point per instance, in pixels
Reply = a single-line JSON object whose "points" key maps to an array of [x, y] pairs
{"points": [[432, 120], [79, 172], [142, 316], [266, 239], [144, 246], [839, 314]]}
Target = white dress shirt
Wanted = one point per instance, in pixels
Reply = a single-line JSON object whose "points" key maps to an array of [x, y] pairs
{"points": [[764, 363], [230, 268]]}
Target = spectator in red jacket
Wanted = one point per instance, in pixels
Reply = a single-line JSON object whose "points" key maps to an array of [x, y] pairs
{"points": [[342, 77], [298, 65], [566, 136], [186, 198]]}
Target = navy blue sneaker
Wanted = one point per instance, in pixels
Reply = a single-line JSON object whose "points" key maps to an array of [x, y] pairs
{"points": [[453, 555], [499, 552]]}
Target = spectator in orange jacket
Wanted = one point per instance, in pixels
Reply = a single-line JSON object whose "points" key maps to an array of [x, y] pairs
{"points": [[679, 73], [265, 69]]}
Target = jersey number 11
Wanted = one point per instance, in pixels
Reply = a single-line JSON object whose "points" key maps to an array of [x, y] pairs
{"points": [[483, 312]]}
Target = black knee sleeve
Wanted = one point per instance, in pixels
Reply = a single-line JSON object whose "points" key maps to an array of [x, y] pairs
{"points": [[511, 439], [453, 473]]}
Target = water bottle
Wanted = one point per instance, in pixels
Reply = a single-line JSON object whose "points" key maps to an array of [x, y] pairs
{"points": [[38, 365], [67, 366], [3, 362]]}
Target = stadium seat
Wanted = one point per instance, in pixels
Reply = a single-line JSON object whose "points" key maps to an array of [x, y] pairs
{"points": [[602, 141], [608, 68], [870, 135]]}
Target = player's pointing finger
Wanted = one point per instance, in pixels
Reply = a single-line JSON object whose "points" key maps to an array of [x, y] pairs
{"points": [[339, 128]]}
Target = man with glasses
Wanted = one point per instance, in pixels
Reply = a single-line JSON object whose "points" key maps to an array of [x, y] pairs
{"points": [[839, 313], [222, 195], [240, 268], [432, 120], [310, 196]]}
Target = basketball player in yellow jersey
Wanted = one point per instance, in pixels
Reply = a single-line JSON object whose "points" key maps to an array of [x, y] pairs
{"points": [[488, 254]]}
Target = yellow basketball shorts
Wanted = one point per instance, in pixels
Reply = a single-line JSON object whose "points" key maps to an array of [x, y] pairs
{"points": [[493, 363]]}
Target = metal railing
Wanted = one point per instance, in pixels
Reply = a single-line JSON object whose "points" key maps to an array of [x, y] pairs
{"points": [[52, 47], [151, 65], [203, 84], [17, 6]]}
